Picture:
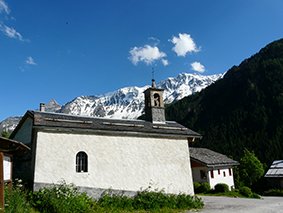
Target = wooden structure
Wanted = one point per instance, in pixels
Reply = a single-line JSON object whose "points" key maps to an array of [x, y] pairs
{"points": [[8, 148]]}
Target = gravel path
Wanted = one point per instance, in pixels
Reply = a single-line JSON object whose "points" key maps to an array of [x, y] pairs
{"points": [[214, 204]]}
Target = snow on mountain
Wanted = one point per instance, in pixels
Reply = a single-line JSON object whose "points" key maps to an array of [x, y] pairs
{"points": [[123, 103], [9, 124], [128, 102], [185, 84]]}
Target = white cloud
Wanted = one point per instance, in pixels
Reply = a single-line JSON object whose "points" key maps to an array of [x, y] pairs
{"points": [[6, 30], [154, 40], [147, 54], [183, 44], [4, 7], [165, 62], [197, 66], [11, 32], [30, 61]]}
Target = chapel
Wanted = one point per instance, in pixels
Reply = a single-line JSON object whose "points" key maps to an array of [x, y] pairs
{"points": [[99, 154]]}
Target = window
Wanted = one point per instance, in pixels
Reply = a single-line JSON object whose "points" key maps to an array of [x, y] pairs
{"points": [[219, 171], [202, 174], [156, 99], [211, 174], [230, 172], [224, 174], [81, 162]]}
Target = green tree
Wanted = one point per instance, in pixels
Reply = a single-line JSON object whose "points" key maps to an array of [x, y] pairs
{"points": [[251, 169], [5, 134]]}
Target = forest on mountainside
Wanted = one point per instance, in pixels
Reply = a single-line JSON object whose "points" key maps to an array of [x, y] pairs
{"points": [[242, 110]]}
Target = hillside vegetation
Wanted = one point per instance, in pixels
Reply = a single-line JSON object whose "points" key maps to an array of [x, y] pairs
{"points": [[242, 110]]}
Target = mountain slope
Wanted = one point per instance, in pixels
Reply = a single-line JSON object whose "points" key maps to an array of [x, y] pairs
{"points": [[242, 110], [128, 102], [10, 123]]}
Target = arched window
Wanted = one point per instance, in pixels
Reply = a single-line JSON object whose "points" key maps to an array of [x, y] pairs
{"points": [[81, 162], [156, 98]]}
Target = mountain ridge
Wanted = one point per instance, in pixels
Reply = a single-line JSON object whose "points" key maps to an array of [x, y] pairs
{"points": [[127, 102]]}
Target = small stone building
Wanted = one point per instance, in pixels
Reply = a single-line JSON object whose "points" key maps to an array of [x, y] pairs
{"points": [[98, 154], [212, 167]]}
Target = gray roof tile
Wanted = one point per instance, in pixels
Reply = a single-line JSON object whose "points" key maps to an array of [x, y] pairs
{"points": [[276, 169], [66, 121], [210, 158]]}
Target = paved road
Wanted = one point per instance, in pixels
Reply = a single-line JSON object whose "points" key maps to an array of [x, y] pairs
{"points": [[214, 204]]}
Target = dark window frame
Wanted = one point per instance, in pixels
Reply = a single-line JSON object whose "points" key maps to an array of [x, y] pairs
{"points": [[203, 174], [81, 162], [211, 174]]}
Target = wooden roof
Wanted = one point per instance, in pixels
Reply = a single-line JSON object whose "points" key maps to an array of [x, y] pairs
{"points": [[210, 158], [66, 122], [276, 169], [12, 147]]}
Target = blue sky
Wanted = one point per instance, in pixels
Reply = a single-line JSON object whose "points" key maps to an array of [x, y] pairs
{"points": [[63, 49]]}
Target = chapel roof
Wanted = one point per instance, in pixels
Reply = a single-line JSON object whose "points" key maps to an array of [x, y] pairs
{"points": [[210, 158], [276, 169], [66, 122]]}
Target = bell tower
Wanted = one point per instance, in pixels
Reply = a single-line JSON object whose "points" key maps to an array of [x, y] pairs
{"points": [[154, 105]]}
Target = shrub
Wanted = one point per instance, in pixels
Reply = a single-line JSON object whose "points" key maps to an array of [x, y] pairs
{"points": [[149, 201], [112, 202], [221, 187], [255, 195], [203, 188], [16, 200], [251, 169], [245, 191], [65, 198], [61, 198], [196, 186], [274, 192]]}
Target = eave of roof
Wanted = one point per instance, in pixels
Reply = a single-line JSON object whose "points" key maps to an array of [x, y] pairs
{"points": [[275, 170], [46, 120], [12, 147], [210, 158]]}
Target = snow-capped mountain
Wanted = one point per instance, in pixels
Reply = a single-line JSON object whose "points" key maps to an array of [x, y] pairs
{"points": [[126, 102], [52, 106], [9, 124]]}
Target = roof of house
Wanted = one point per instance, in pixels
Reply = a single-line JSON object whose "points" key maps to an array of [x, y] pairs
{"points": [[66, 122], [210, 158], [276, 169], [12, 147]]}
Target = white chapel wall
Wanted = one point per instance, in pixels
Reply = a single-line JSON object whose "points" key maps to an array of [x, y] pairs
{"points": [[115, 162]]}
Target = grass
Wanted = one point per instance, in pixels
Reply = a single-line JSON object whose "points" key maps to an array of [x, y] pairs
{"points": [[234, 193]]}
